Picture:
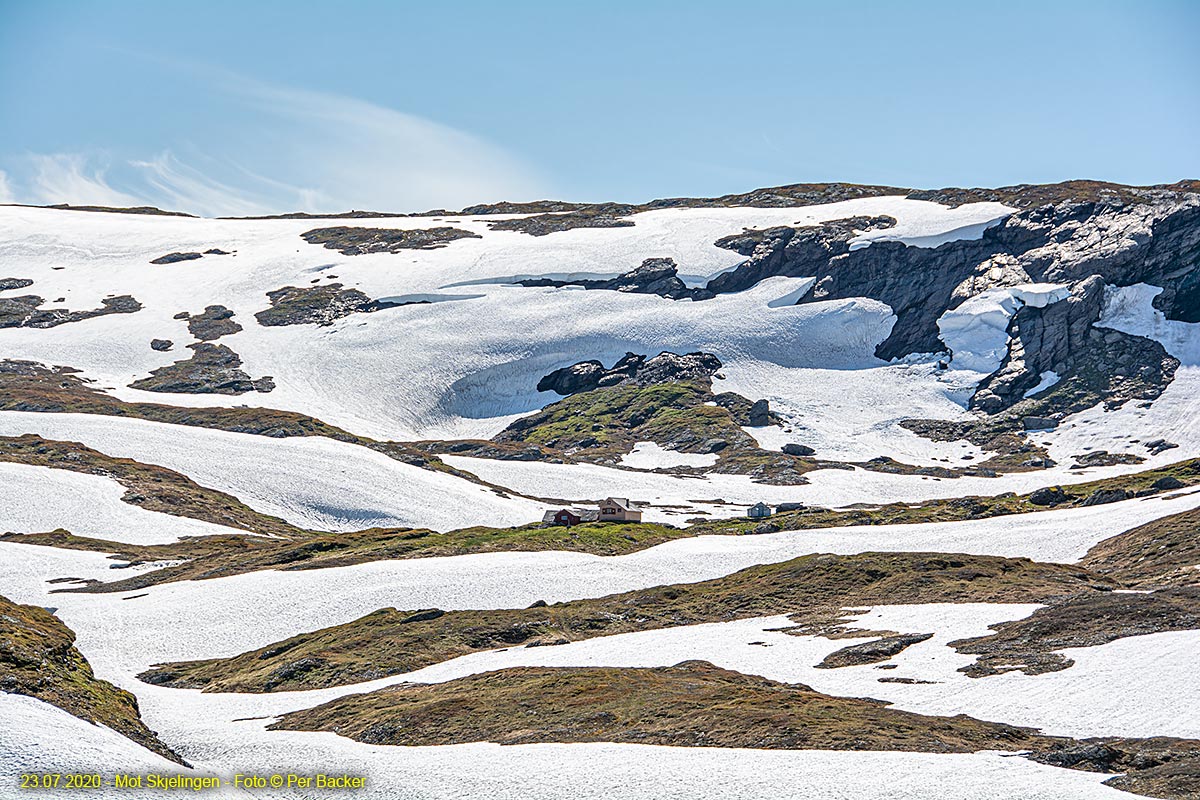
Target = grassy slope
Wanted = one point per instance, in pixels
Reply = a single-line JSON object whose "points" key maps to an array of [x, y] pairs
{"points": [[1165, 552], [815, 588], [693, 704], [38, 658]]}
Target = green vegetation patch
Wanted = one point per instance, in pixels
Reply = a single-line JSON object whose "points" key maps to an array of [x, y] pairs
{"points": [[692, 704]]}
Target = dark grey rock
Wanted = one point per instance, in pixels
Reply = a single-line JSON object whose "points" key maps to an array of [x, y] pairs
{"points": [[162, 345], [212, 369], [1048, 496], [760, 414], [631, 368], [1159, 446], [1038, 423], [175, 258], [798, 450], [1103, 496], [213, 323], [23, 311], [654, 276], [1167, 483], [14, 283], [319, 305], [713, 445]]}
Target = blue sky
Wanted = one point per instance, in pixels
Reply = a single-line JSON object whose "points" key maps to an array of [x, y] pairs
{"points": [[237, 107]]}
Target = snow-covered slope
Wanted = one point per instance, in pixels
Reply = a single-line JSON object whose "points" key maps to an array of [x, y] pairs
{"points": [[846, 329]]}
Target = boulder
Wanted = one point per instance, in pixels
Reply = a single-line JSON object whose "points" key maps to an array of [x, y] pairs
{"points": [[1102, 496], [1048, 496], [161, 345], [1167, 483], [760, 414], [1038, 423], [581, 377], [798, 449], [1159, 445]]}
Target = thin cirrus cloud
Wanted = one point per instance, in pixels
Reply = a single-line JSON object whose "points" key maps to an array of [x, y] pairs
{"points": [[339, 153]]}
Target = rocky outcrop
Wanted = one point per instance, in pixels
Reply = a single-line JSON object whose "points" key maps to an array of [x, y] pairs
{"points": [[23, 312], [632, 368], [212, 369], [357, 241], [212, 323], [1084, 244], [654, 276], [14, 283], [175, 258], [320, 305], [608, 215], [1032, 644], [789, 252], [873, 651]]}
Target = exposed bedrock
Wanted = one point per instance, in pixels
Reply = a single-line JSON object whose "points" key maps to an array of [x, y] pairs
{"points": [[631, 368], [212, 369], [23, 311], [1086, 245], [321, 305], [653, 276]]}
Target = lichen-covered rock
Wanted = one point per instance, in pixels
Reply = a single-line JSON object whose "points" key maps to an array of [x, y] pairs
{"points": [[212, 323], [23, 311], [320, 305], [212, 369], [356, 241]]}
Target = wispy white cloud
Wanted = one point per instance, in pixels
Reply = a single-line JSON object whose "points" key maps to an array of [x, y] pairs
{"points": [[6, 195], [180, 186], [299, 151], [70, 178]]}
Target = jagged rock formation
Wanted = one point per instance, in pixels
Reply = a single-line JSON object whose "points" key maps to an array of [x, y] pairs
{"points": [[356, 241], [321, 305], [23, 311], [1083, 244], [14, 283], [632, 368], [212, 369], [654, 276]]}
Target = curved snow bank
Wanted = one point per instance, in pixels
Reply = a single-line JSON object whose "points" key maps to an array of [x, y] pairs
{"points": [[309, 481], [977, 330], [38, 737], [41, 499], [989, 214]]}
